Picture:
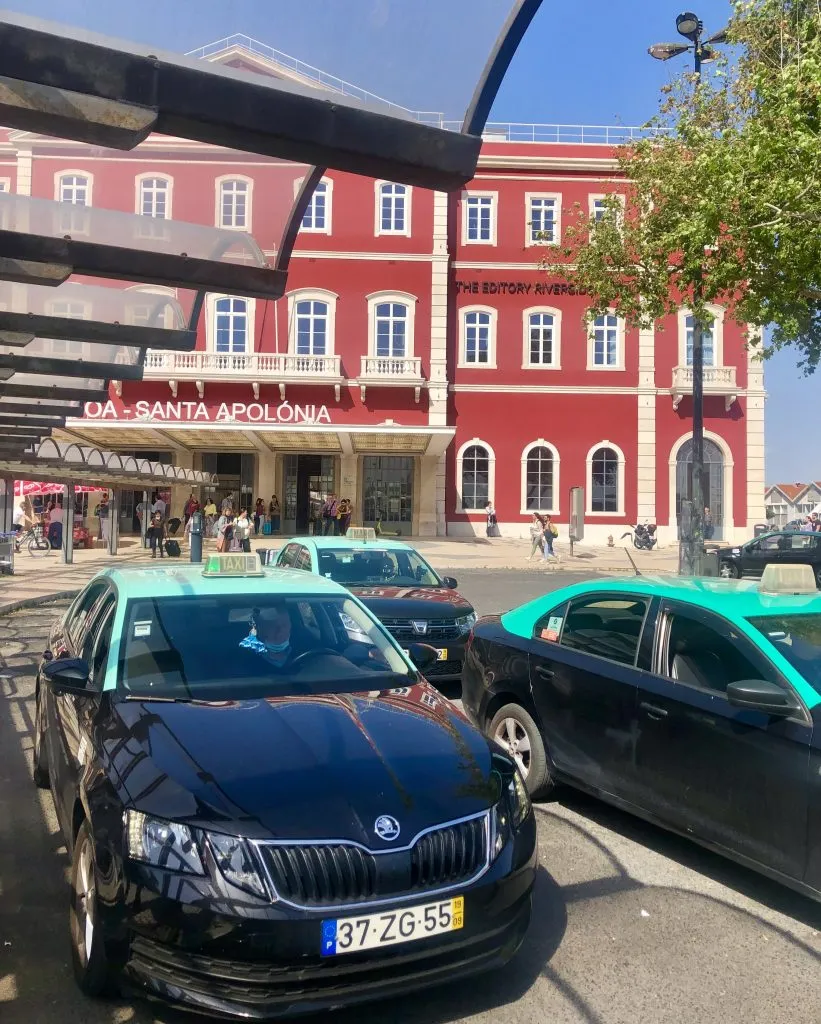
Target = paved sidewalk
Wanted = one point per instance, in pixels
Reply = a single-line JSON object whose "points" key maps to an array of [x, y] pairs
{"points": [[37, 579]]}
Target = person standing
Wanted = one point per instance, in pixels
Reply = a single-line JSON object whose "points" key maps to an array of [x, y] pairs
{"points": [[55, 525], [210, 513], [227, 504], [259, 515], [275, 513], [104, 513], [344, 513], [709, 527], [329, 510], [156, 534], [159, 506], [242, 531], [189, 508], [490, 512], [536, 535]]}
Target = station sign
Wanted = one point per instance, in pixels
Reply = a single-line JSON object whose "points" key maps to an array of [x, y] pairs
{"points": [[205, 413]]}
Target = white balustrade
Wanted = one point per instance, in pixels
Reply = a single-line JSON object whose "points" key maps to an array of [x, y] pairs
{"points": [[240, 365], [718, 380], [391, 368]]}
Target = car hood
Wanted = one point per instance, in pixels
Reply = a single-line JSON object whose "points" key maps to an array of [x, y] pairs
{"points": [[413, 602], [321, 767]]}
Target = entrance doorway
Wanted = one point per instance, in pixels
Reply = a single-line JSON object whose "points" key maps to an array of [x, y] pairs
{"points": [[388, 492], [712, 485], [308, 480], [235, 475]]}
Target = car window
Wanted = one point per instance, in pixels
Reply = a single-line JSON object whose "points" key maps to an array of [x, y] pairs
{"points": [[767, 544], [261, 647], [303, 559], [708, 657], [103, 626], [801, 541], [798, 639], [93, 626], [78, 614], [286, 559], [549, 626], [609, 627]]}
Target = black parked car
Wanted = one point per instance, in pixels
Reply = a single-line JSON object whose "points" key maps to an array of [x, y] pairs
{"points": [[784, 547], [267, 809], [409, 598]]}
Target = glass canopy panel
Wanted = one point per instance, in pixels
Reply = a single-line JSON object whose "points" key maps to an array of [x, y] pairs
{"points": [[105, 304], [117, 356]]}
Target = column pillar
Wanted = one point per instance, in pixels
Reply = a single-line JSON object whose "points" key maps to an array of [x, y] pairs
{"points": [[68, 524], [113, 521], [755, 460], [428, 501], [646, 437], [180, 493], [438, 378], [266, 478], [349, 484]]}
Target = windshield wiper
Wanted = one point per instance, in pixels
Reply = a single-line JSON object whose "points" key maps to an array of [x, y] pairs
{"points": [[162, 700]]}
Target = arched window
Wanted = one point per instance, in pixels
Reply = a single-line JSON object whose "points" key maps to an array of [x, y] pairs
{"points": [[392, 209], [605, 480], [540, 477], [311, 328], [317, 216], [478, 337], [231, 325], [74, 188], [234, 203], [391, 329], [475, 472], [154, 197]]}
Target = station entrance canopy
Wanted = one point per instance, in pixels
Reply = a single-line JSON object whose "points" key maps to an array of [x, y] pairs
{"points": [[79, 302]]}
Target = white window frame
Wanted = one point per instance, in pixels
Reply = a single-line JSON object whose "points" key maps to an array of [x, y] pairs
{"points": [[211, 323], [405, 298], [139, 183], [70, 219], [219, 184], [557, 338], [557, 229], [312, 295], [5, 184], [494, 316], [329, 207], [157, 289], [593, 197], [83, 309], [717, 313], [620, 343], [554, 509], [494, 206], [619, 512], [491, 475], [71, 172], [378, 230]]}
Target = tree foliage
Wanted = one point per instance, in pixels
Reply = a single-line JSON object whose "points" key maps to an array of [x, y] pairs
{"points": [[723, 199]]}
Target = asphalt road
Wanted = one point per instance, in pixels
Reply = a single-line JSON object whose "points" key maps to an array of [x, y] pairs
{"points": [[630, 924]]}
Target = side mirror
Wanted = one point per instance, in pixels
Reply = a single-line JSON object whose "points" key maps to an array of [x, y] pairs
{"points": [[423, 655], [450, 582], [759, 695], [67, 675]]}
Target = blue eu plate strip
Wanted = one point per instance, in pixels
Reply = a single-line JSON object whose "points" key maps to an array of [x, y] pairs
{"points": [[329, 938]]}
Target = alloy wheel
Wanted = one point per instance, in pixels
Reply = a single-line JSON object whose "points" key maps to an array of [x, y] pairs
{"points": [[84, 904], [511, 735]]}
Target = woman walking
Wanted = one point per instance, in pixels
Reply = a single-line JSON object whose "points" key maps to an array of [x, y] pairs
{"points": [[551, 532], [259, 515], [156, 535], [536, 535]]}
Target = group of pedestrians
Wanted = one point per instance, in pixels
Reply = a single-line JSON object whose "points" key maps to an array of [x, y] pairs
{"points": [[334, 516], [543, 532]]}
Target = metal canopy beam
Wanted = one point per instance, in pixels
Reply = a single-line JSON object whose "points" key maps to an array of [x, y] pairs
{"points": [[17, 406], [224, 107], [49, 422], [30, 325], [54, 391], [144, 266], [69, 367]]}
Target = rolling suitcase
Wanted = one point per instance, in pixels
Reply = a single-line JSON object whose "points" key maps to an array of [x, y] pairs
{"points": [[172, 548]]}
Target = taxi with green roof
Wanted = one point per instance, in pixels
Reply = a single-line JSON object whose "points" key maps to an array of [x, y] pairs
{"points": [[267, 808], [694, 703], [412, 601]]}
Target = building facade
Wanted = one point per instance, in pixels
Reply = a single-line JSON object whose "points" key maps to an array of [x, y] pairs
{"points": [[422, 362]]}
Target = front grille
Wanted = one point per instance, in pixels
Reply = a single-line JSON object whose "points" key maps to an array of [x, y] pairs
{"points": [[439, 629], [341, 873]]}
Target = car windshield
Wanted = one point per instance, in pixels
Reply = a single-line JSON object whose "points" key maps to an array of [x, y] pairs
{"points": [[356, 567], [236, 647], [798, 639]]}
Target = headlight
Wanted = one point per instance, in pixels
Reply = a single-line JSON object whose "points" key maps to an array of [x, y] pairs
{"points": [[465, 622], [165, 844], [519, 799], [236, 863]]}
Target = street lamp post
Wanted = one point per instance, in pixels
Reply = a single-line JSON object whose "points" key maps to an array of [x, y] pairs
{"points": [[691, 27]]}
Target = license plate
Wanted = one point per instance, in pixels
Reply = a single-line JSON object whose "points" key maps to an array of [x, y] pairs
{"points": [[441, 655], [371, 931]]}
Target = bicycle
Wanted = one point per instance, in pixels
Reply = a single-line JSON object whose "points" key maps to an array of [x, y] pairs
{"points": [[35, 540]]}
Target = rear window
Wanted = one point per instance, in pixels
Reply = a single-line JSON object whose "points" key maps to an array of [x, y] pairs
{"points": [[237, 648], [798, 639]]}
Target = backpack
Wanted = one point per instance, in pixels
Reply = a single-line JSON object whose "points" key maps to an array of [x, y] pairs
{"points": [[554, 529]]}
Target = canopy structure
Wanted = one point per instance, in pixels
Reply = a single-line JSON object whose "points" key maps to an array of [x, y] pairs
{"points": [[36, 488]]}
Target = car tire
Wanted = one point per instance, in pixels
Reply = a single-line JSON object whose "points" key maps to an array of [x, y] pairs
{"points": [[728, 571], [40, 760], [818, 577], [514, 729], [93, 971]]}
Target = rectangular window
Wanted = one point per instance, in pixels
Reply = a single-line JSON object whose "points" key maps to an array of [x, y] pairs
{"points": [[317, 212], [543, 220], [605, 341], [479, 214], [393, 209], [154, 198], [477, 338], [391, 330], [234, 204], [311, 328], [540, 339], [607, 627], [597, 208], [231, 326], [707, 342]]}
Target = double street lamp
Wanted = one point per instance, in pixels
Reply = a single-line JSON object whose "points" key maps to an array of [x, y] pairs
{"points": [[691, 27]]}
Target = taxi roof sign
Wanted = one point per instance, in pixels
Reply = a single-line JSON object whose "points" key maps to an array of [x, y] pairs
{"points": [[233, 565], [788, 578]]}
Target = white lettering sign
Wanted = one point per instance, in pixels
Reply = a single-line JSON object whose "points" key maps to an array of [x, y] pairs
{"points": [[199, 412]]}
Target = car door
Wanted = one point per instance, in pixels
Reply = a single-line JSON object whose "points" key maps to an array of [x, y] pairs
{"points": [[73, 713], [584, 677], [800, 549], [758, 554], [730, 776], [286, 557]]}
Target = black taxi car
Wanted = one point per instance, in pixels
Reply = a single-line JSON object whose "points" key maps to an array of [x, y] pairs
{"points": [[267, 808]]}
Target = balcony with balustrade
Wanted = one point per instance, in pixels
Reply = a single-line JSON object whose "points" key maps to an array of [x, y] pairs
{"points": [[391, 372], [254, 368], [718, 380]]}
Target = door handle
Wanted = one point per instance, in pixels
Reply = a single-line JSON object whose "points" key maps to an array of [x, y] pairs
{"points": [[653, 710], [544, 673]]}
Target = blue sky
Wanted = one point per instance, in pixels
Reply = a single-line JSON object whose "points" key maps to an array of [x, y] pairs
{"points": [[581, 63]]}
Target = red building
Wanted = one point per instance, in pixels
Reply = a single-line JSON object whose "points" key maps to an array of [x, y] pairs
{"points": [[421, 363]]}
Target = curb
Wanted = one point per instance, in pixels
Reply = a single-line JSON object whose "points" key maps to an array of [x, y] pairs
{"points": [[32, 602]]}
